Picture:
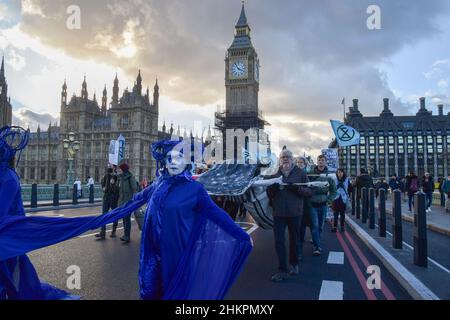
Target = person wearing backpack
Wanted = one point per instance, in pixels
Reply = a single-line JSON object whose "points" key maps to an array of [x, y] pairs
{"points": [[412, 185]]}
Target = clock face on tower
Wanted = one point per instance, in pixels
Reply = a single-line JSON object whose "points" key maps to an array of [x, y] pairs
{"points": [[238, 69]]}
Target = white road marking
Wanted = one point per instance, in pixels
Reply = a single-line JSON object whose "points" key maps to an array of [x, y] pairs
{"points": [[250, 230], [335, 257], [331, 290], [43, 215]]}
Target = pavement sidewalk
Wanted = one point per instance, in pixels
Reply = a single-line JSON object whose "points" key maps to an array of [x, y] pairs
{"points": [[63, 204], [437, 220]]}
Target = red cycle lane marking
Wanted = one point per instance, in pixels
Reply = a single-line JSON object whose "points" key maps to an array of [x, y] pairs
{"points": [[384, 288], [362, 280]]}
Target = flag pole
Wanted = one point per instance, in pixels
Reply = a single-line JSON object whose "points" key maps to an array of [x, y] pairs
{"points": [[340, 149], [344, 108]]}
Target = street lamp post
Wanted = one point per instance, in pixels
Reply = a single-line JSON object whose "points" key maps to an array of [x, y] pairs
{"points": [[72, 147]]}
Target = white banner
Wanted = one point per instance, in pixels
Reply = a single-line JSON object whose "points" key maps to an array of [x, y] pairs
{"points": [[116, 150]]}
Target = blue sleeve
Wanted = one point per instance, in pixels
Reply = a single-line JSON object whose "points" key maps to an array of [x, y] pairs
{"points": [[21, 234], [145, 194], [8, 192]]}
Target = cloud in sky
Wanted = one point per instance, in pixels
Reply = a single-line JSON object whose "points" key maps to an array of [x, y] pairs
{"points": [[312, 53]]}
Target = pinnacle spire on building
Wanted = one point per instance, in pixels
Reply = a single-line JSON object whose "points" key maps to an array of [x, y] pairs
{"points": [[242, 22]]}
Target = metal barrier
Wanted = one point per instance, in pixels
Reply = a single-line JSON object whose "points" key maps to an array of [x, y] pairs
{"points": [[420, 230], [382, 214], [397, 237], [371, 208]]}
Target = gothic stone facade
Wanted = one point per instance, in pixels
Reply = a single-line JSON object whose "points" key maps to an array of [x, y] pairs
{"points": [[133, 115], [397, 144]]}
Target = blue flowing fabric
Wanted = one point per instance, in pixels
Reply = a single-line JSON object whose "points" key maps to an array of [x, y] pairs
{"points": [[20, 234], [190, 248]]}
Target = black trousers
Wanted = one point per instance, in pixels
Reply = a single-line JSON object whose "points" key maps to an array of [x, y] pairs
{"points": [[109, 203], [339, 215], [295, 246]]}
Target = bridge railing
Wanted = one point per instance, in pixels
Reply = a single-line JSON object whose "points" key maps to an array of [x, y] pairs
{"points": [[56, 194]]}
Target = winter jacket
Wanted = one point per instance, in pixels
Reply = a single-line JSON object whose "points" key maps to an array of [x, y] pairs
{"points": [[428, 186], [394, 184], [410, 180], [344, 188], [446, 187], [287, 201], [110, 184], [127, 187], [364, 181], [323, 195]]}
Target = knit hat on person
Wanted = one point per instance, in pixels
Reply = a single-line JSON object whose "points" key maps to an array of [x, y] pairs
{"points": [[124, 167]]}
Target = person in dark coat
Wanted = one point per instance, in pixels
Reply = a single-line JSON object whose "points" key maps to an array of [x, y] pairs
{"points": [[306, 217], [364, 180], [441, 181], [110, 187], [287, 205], [382, 184], [428, 189], [412, 185], [394, 183]]}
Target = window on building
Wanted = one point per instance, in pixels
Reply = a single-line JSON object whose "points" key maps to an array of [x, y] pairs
{"points": [[362, 141], [32, 176], [53, 174], [419, 140], [42, 173]]}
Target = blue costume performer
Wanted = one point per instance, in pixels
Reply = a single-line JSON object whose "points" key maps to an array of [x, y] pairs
{"points": [[190, 249]]}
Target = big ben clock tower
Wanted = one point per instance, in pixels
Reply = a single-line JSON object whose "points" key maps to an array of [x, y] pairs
{"points": [[241, 82]]}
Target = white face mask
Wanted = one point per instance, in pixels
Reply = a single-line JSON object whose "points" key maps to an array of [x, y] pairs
{"points": [[175, 163]]}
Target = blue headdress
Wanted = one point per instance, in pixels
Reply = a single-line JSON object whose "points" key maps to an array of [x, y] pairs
{"points": [[161, 148], [12, 140]]}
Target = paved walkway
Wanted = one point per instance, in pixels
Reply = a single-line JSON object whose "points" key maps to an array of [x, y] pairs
{"points": [[437, 220]]}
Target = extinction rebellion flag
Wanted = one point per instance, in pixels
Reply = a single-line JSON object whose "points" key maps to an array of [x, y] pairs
{"points": [[345, 135]]}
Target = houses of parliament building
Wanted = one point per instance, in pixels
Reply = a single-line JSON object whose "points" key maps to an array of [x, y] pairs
{"points": [[134, 114]]}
